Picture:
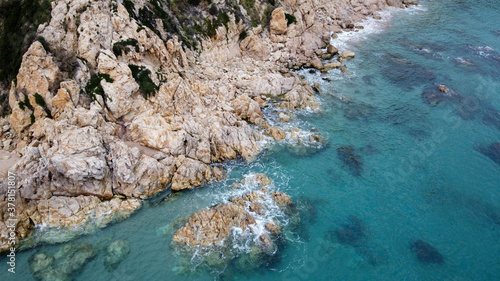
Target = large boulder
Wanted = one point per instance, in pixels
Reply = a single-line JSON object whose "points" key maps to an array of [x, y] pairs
{"points": [[278, 24]]}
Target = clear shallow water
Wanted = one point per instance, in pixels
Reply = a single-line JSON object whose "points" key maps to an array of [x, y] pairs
{"points": [[422, 175]]}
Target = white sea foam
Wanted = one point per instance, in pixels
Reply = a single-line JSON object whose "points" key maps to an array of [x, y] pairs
{"points": [[352, 39]]}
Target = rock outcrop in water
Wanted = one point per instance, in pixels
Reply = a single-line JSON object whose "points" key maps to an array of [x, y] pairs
{"points": [[113, 108], [250, 222]]}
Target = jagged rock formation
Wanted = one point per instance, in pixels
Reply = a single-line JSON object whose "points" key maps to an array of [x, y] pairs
{"points": [[255, 216], [114, 108]]}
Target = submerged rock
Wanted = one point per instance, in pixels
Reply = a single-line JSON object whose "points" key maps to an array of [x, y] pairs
{"points": [[426, 253], [352, 233], [116, 252], [435, 95], [491, 117], [347, 154], [492, 151], [63, 264], [406, 74]]}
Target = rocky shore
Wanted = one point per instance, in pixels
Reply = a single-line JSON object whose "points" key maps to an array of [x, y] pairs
{"points": [[109, 109]]}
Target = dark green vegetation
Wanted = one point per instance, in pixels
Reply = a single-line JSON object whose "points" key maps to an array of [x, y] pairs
{"points": [[142, 77], [290, 19], [94, 88], [26, 104], [183, 17], [243, 34], [41, 102], [19, 20], [122, 46]]}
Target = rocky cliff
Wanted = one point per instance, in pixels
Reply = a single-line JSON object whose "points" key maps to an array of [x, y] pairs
{"points": [[118, 100]]}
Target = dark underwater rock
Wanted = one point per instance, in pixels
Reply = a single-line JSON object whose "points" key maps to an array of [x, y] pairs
{"points": [[352, 233], [426, 253], [406, 74], [485, 52], [491, 117], [437, 94], [347, 154], [358, 111], [492, 151], [368, 79]]}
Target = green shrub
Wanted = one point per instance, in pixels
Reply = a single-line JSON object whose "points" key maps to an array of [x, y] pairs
{"points": [[243, 34], [290, 19], [213, 10], [142, 76], [94, 88], [120, 47], [41, 102], [25, 104]]}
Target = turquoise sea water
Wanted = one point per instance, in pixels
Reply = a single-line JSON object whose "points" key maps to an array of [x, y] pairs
{"points": [[422, 176]]}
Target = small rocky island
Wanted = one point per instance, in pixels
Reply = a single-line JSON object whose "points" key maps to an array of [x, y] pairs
{"points": [[255, 223]]}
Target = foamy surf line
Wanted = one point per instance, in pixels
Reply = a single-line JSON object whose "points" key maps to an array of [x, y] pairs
{"points": [[371, 26]]}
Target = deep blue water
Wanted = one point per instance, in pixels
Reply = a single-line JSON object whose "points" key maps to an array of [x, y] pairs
{"points": [[420, 174]]}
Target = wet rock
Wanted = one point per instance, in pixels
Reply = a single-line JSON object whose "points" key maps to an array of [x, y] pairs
{"points": [[331, 49], [395, 3], [276, 133], [224, 228], [347, 154], [211, 227], [116, 252], [317, 88], [273, 228], [346, 54], [410, 2], [330, 66], [492, 151], [426, 253]]}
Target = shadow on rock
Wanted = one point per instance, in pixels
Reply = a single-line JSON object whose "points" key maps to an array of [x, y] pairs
{"points": [[426, 253]]}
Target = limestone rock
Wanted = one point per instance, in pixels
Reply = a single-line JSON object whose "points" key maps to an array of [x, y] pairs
{"points": [[331, 49], [278, 24], [346, 54], [190, 173]]}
